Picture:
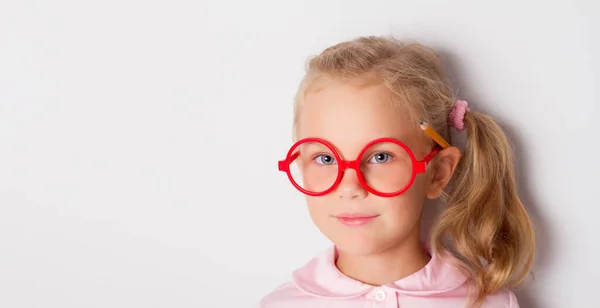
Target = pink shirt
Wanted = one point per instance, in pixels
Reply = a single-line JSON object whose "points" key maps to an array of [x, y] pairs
{"points": [[320, 284]]}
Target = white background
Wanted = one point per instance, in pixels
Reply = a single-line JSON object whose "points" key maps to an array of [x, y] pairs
{"points": [[139, 140]]}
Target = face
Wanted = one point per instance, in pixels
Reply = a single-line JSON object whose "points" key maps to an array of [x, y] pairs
{"points": [[350, 116]]}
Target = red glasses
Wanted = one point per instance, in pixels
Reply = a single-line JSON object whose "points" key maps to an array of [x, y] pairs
{"points": [[386, 167]]}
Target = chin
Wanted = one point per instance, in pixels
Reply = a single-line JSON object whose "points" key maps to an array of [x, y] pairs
{"points": [[357, 245]]}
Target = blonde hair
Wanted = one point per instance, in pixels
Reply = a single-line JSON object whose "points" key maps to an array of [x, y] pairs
{"points": [[485, 225]]}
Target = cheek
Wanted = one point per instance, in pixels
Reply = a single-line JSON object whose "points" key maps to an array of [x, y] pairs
{"points": [[320, 212], [418, 189], [403, 213], [318, 208]]}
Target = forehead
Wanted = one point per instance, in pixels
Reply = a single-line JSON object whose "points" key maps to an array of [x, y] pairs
{"points": [[349, 116]]}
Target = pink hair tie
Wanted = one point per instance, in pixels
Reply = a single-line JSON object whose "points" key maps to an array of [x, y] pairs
{"points": [[456, 118]]}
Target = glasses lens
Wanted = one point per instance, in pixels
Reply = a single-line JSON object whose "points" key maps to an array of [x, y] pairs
{"points": [[386, 167], [314, 167]]}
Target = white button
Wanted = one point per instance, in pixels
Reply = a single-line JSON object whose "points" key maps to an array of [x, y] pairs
{"points": [[379, 295]]}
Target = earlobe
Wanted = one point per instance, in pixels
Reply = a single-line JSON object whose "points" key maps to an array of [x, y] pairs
{"points": [[444, 166]]}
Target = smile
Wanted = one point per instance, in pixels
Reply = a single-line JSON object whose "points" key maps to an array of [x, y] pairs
{"points": [[355, 219]]}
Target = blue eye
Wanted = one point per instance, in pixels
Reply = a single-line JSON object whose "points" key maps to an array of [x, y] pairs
{"points": [[324, 159], [380, 158]]}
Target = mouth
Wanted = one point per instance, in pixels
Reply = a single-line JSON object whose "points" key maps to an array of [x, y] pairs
{"points": [[355, 219]]}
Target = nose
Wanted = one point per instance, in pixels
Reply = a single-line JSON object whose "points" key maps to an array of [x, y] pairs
{"points": [[350, 187]]}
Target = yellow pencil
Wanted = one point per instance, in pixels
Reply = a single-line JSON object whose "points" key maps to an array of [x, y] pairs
{"points": [[434, 135]]}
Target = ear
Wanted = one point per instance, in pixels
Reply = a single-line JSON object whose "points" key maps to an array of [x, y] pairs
{"points": [[445, 164]]}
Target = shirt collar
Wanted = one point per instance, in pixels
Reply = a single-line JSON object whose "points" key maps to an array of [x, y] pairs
{"points": [[320, 277]]}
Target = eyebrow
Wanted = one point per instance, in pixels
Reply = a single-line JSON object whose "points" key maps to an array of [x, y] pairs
{"points": [[315, 145]]}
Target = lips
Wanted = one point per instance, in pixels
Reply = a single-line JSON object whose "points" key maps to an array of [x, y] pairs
{"points": [[355, 219]]}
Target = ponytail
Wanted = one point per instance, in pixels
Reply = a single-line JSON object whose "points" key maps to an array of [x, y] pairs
{"points": [[485, 225]]}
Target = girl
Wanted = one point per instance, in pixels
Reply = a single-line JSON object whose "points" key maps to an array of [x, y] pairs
{"points": [[371, 120]]}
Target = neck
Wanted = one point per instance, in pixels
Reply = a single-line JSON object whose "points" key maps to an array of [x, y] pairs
{"points": [[386, 266]]}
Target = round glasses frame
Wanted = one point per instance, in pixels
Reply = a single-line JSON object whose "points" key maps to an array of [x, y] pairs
{"points": [[418, 166]]}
